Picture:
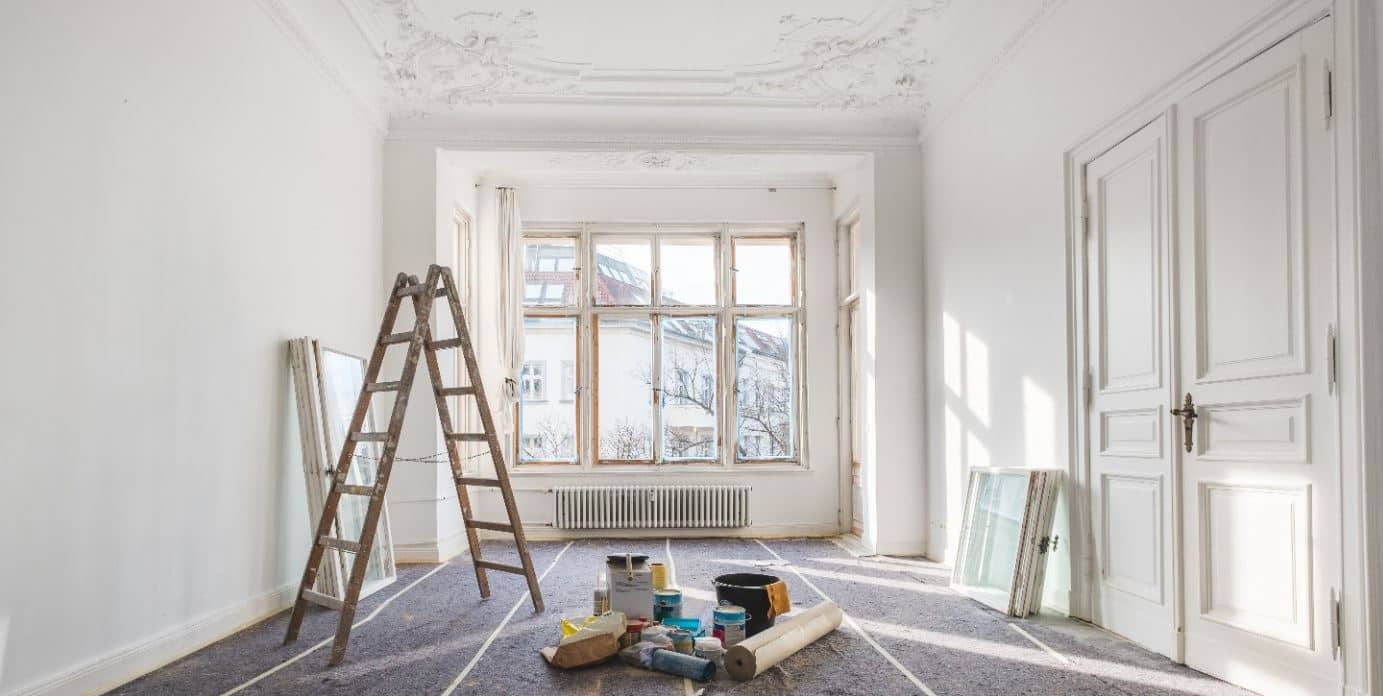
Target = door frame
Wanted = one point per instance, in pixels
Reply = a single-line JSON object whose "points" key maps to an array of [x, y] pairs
{"points": [[845, 357], [1359, 295]]}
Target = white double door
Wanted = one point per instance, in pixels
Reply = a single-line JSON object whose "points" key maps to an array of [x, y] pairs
{"points": [[1211, 273]]}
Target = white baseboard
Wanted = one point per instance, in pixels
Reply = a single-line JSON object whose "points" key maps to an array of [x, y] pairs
{"points": [[431, 552], [144, 656]]}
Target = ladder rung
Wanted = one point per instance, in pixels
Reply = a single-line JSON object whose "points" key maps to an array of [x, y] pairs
{"points": [[352, 489], [492, 526], [323, 599], [418, 290], [456, 391], [444, 344], [369, 437], [501, 567], [470, 481], [384, 386], [343, 544], [404, 337], [468, 437]]}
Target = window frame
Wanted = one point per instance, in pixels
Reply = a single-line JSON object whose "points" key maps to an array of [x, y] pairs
{"points": [[515, 444], [725, 314]]}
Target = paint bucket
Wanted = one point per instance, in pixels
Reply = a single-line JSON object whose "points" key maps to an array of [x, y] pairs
{"points": [[667, 604], [659, 575], [682, 641], [633, 630], [727, 624], [754, 592]]}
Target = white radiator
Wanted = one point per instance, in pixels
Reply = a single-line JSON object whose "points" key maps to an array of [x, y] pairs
{"points": [[650, 507]]}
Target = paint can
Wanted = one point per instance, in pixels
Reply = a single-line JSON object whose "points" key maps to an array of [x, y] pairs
{"points": [[682, 641], [727, 624], [659, 575], [633, 630], [667, 604]]}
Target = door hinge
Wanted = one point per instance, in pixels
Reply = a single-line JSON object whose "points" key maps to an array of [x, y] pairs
{"points": [[1089, 379], [1332, 358], [1337, 638], [1085, 215], [1048, 543], [1329, 88]]}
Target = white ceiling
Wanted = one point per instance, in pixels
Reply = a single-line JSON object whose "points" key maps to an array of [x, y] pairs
{"points": [[864, 65]]}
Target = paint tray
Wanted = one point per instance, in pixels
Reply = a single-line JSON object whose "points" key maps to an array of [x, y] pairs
{"points": [[693, 625]]}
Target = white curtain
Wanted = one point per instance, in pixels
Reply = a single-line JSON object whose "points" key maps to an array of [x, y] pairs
{"points": [[511, 301]]}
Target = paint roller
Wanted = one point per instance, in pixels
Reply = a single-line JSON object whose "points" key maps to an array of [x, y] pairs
{"points": [[753, 656]]}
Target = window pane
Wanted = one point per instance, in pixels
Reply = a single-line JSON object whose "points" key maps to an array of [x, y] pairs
{"points": [[763, 271], [689, 387], [687, 270], [547, 425], [763, 387], [624, 388], [549, 277], [623, 272]]}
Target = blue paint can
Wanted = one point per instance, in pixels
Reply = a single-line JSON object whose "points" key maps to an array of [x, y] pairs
{"points": [[727, 624], [667, 604]]}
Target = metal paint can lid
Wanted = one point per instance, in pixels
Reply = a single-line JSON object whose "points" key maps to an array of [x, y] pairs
{"points": [[728, 613]]}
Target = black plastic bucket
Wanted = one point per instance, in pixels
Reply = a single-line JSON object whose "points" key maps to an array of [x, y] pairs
{"points": [[748, 590]]}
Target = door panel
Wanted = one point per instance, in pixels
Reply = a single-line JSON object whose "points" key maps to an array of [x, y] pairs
{"points": [[1255, 248], [1131, 469]]}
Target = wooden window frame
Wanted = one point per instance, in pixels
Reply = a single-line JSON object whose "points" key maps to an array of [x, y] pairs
{"points": [[725, 314]]}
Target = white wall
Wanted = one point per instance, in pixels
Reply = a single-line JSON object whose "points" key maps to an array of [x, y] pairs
{"points": [[182, 190], [424, 190], [992, 190]]}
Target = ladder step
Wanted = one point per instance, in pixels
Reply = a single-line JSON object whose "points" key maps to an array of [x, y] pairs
{"points": [[404, 337], [323, 599], [500, 567], [468, 437], [384, 386], [456, 391], [352, 489], [342, 544], [492, 526], [470, 481], [369, 437], [444, 344], [418, 290]]}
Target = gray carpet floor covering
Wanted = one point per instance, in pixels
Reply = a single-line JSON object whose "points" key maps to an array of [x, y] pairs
{"points": [[430, 632]]}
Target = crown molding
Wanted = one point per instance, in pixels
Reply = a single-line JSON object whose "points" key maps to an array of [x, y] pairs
{"points": [[459, 139], [292, 26], [928, 125]]}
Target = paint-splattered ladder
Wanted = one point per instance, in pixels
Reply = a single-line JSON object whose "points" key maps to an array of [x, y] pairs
{"points": [[439, 283]]}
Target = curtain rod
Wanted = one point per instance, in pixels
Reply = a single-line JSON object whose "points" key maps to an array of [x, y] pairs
{"points": [[748, 187]]}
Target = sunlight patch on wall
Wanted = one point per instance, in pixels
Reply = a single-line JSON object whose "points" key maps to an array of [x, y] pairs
{"points": [[951, 356], [977, 377]]}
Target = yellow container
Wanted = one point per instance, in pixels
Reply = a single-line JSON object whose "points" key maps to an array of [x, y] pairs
{"points": [[659, 575]]}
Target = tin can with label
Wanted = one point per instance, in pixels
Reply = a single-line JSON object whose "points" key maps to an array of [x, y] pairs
{"points": [[727, 624], [667, 604]]}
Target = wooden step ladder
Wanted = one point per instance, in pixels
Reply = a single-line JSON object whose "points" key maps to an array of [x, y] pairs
{"points": [[439, 283]]}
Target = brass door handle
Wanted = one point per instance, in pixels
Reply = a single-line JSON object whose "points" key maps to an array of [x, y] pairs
{"points": [[1188, 420]]}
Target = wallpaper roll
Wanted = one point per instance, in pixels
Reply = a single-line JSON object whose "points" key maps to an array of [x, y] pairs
{"points": [[752, 656]]}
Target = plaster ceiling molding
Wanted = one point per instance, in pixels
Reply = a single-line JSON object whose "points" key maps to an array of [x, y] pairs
{"points": [[444, 56], [653, 160]]}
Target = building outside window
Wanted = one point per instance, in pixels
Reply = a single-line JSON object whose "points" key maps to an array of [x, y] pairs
{"points": [[686, 334]]}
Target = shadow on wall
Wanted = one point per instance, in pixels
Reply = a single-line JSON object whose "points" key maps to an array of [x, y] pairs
{"points": [[972, 432]]}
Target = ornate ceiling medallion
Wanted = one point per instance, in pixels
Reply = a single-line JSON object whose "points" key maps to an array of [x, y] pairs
{"points": [[438, 64]]}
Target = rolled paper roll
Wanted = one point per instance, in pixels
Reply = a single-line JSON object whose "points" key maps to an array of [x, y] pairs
{"points": [[752, 656], [689, 666]]}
